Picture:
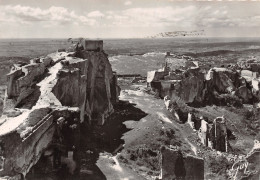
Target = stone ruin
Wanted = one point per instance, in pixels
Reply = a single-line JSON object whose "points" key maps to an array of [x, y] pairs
{"points": [[200, 87], [214, 135], [193, 86], [50, 98], [86, 44]]}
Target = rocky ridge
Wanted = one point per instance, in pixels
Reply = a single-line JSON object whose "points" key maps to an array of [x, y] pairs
{"points": [[197, 33]]}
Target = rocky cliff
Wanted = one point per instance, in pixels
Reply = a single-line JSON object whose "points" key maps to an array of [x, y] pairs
{"points": [[78, 86]]}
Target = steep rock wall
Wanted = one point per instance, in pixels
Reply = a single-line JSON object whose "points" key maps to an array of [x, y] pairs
{"points": [[88, 83], [98, 103], [65, 87], [191, 88]]}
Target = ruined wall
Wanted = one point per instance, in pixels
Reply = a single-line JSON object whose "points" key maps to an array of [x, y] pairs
{"points": [[22, 148], [213, 135], [176, 165], [90, 45], [22, 80], [218, 135]]}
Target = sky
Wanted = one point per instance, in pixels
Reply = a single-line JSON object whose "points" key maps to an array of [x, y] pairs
{"points": [[126, 18]]}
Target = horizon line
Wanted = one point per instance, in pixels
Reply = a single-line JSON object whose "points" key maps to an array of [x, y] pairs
{"points": [[134, 37]]}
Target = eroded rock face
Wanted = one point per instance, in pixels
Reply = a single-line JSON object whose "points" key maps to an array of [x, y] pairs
{"points": [[98, 104], [88, 83], [191, 88], [223, 80], [75, 87], [220, 86], [175, 165]]}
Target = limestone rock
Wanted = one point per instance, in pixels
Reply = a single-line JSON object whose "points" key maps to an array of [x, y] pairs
{"points": [[220, 86], [78, 89], [191, 88], [99, 85], [224, 80]]}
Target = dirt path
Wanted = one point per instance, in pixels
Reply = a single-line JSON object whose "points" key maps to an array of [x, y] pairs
{"points": [[183, 134]]}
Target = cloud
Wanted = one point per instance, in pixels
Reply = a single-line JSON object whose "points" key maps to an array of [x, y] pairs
{"points": [[56, 15], [151, 17], [125, 20], [128, 3], [222, 18], [181, 17], [95, 14]]}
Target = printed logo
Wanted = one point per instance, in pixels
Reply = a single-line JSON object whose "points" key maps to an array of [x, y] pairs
{"points": [[241, 169]]}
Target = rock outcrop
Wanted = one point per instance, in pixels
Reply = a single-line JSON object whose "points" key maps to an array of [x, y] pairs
{"points": [[198, 87], [48, 100]]}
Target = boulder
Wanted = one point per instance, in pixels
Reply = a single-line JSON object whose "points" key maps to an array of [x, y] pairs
{"points": [[223, 80]]}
